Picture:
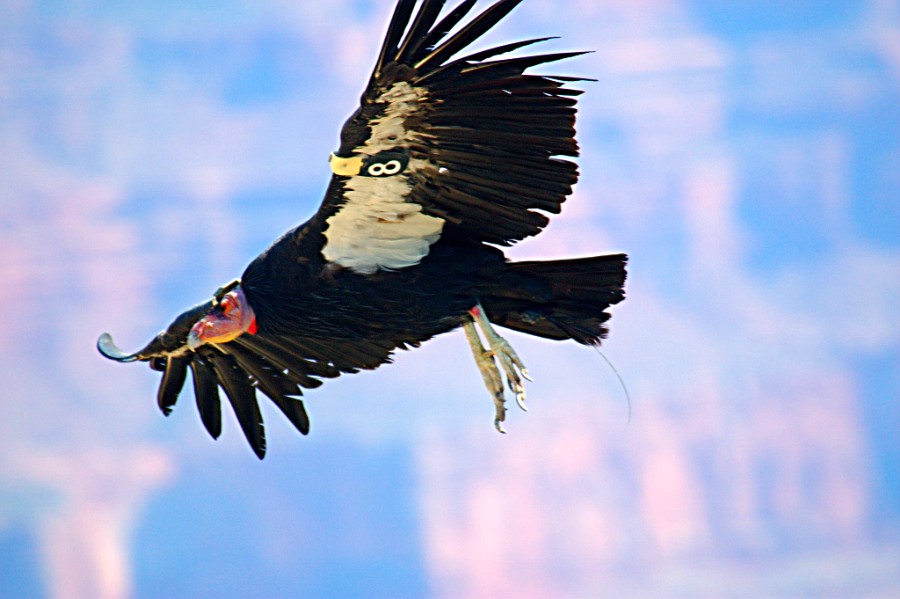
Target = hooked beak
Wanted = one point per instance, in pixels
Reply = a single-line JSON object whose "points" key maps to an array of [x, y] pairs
{"points": [[228, 320]]}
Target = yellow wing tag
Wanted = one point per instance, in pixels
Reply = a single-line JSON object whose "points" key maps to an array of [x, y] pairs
{"points": [[346, 167], [382, 164]]}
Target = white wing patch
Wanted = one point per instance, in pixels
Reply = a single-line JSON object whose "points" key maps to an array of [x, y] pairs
{"points": [[378, 228]]}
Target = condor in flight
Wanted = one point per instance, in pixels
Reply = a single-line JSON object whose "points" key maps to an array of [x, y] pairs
{"points": [[445, 159]]}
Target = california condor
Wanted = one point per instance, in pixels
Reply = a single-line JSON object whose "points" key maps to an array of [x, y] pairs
{"points": [[445, 159]]}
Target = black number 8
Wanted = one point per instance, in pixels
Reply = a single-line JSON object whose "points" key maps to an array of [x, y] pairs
{"points": [[386, 169]]}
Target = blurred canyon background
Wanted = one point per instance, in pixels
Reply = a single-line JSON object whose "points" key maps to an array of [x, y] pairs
{"points": [[746, 155]]}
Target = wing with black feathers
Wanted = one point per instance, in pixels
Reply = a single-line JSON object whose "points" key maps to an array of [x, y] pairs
{"points": [[279, 367], [470, 147]]}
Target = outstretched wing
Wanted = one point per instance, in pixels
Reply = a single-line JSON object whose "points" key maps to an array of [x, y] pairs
{"points": [[279, 367], [468, 147]]}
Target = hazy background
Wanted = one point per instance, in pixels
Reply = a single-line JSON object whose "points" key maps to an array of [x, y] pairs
{"points": [[745, 154]]}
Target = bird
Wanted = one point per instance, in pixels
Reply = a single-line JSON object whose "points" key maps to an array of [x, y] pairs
{"points": [[451, 156]]}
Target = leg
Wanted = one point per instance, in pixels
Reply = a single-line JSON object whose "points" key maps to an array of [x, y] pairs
{"points": [[485, 360]]}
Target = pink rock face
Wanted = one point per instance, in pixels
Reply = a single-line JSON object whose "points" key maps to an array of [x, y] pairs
{"points": [[549, 515]]}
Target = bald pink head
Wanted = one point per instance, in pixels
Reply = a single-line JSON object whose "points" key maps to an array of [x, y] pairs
{"points": [[231, 318]]}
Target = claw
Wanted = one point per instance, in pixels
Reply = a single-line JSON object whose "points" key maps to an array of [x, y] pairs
{"points": [[500, 407], [520, 399], [526, 375]]}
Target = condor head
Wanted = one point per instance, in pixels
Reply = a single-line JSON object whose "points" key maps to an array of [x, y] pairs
{"points": [[230, 317]]}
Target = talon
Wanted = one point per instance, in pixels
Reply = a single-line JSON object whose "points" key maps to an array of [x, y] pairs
{"points": [[526, 375], [498, 427], [520, 399], [500, 406]]}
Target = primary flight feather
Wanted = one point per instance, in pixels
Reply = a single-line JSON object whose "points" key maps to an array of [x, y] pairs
{"points": [[445, 159]]}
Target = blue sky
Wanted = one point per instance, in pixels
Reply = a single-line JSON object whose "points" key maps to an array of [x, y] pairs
{"points": [[745, 155]]}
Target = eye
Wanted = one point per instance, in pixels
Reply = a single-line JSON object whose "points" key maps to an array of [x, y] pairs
{"points": [[376, 170], [227, 304]]}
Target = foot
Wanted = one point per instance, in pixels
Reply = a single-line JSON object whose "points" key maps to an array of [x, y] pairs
{"points": [[510, 362]]}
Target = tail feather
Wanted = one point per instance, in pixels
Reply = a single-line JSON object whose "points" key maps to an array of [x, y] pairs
{"points": [[571, 302]]}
